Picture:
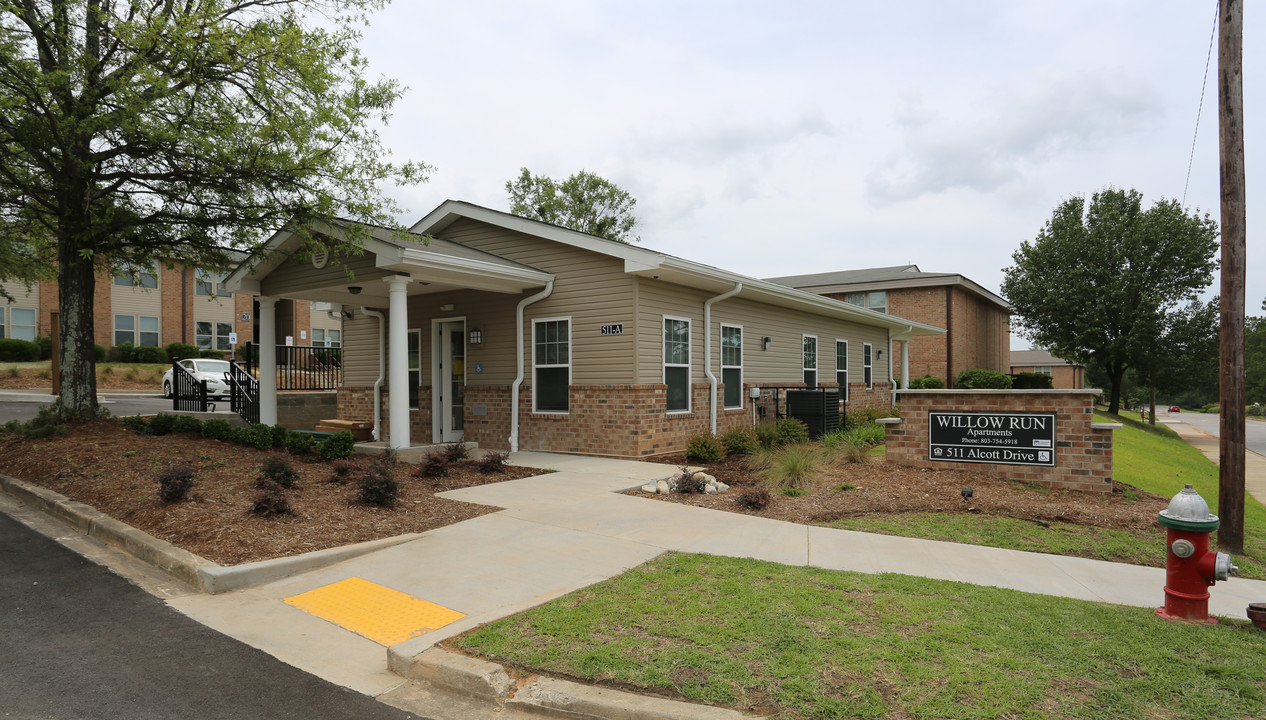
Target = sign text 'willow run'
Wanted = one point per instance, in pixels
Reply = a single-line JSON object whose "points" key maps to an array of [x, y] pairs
{"points": [[992, 437]]}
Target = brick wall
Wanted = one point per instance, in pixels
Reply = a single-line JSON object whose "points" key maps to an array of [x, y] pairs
{"points": [[1063, 377], [177, 293], [925, 305], [1083, 454]]}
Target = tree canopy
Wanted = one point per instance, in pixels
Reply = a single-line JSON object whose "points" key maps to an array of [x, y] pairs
{"points": [[583, 202], [1102, 283], [143, 131]]}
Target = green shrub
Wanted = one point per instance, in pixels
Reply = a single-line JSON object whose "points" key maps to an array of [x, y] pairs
{"points": [[868, 435], [705, 449], [217, 429], [790, 466], [378, 485], [1032, 381], [740, 441], [767, 435], [493, 461], [149, 354], [135, 423], [122, 353], [98, 353], [180, 351], [1256, 410], [791, 431], [161, 424], [258, 436], [338, 446], [927, 382], [983, 379], [187, 423], [279, 435], [46, 347], [248, 353], [278, 470], [213, 354], [13, 350], [174, 483], [1211, 408], [300, 443], [46, 422]]}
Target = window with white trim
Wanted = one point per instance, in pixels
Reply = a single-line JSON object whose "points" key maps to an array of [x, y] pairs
{"points": [[677, 364], [876, 300], [1044, 369], [133, 276], [414, 355], [551, 365], [21, 324], [841, 368], [732, 365], [208, 335], [138, 330], [207, 282], [810, 343], [866, 367], [320, 335]]}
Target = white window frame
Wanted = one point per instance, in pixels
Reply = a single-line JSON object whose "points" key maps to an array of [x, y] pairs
{"points": [[804, 360], [663, 354], [739, 367], [551, 366], [838, 370], [409, 367], [157, 332], [133, 277], [209, 335], [870, 296], [115, 327], [3, 326], [11, 329], [1043, 369], [868, 370]]}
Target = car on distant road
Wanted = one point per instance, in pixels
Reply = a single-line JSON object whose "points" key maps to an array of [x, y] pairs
{"points": [[1175, 408], [215, 372]]}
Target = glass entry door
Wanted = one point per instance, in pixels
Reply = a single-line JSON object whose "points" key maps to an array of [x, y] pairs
{"points": [[452, 359]]}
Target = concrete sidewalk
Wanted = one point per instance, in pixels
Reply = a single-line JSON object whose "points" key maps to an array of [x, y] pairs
{"points": [[566, 530], [1207, 443]]}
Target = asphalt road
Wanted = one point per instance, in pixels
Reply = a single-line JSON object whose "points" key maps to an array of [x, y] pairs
{"points": [[78, 641], [1254, 430]]}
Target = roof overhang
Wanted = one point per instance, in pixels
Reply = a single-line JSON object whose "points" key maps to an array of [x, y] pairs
{"points": [[959, 280]]}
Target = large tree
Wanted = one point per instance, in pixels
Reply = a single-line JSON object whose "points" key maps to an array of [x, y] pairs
{"points": [[584, 202], [1100, 283], [152, 130]]}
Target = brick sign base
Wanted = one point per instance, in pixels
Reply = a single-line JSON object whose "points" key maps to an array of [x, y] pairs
{"points": [[1083, 448]]}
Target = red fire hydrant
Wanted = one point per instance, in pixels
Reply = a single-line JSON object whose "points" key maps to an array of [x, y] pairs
{"points": [[1189, 566]]}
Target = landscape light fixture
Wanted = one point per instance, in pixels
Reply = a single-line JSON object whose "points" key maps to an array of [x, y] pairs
{"points": [[966, 493]]}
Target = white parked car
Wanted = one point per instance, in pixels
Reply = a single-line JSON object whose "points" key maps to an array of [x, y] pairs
{"points": [[215, 372]]}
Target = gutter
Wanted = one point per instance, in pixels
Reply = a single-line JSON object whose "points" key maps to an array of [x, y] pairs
{"points": [[518, 379], [382, 367], [707, 349]]}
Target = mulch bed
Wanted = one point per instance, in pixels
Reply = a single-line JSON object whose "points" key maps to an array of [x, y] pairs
{"points": [[883, 489], [102, 464]]}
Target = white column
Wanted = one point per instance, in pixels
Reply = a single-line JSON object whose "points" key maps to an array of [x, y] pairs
{"points": [[267, 361], [905, 364], [398, 361]]}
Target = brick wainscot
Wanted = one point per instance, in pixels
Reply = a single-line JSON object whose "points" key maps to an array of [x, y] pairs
{"points": [[1083, 448]]}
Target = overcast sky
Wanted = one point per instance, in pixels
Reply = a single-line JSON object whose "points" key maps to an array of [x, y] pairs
{"points": [[796, 137]]}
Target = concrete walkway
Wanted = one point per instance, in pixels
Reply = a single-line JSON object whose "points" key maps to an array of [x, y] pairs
{"points": [[566, 530], [1208, 443]]}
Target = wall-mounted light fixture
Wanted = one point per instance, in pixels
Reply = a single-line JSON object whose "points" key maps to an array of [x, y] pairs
{"points": [[446, 307], [476, 336], [765, 342], [354, 289], [879, 354]]}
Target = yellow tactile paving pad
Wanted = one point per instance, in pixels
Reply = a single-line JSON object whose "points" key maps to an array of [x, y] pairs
{"points": [[379, 613]]}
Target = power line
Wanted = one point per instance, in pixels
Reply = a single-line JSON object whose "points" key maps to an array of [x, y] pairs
{"points": [[1217, 5]]}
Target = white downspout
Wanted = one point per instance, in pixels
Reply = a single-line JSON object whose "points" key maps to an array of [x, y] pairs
{"points": [[518, 379], [707, 349], [382, 368]]}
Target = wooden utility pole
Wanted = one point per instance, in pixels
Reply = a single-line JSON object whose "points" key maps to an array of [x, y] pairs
{"points": [[1234, 233]]}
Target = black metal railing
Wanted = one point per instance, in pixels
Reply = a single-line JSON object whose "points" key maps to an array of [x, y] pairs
{"points": [[243, 393], [188, 393], [301, 367]]}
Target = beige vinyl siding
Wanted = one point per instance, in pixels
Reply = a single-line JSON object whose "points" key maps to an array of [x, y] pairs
{"points": [[295, 276], [140, 302], [589, 288], [782, 363], [360, 349], [325, 320], [492, 313], [26, 299]]}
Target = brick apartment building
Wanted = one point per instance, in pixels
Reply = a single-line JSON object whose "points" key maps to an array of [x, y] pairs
{"points": [[1065, 375], [162, 305], [977, 322]]}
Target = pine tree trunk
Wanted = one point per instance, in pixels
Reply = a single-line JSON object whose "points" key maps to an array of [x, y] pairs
{"points": [[76, 283]]}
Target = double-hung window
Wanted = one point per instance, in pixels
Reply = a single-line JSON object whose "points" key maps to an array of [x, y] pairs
{"points": [[207, 282], [866, 367], [321, 335], [21, 324], [677, 363], [133, 276], [126, 329], [732, 364], [551, 365], [841, 368], [810, 343]]}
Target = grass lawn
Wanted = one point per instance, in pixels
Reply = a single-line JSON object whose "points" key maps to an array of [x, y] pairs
{"points": [[809, 643], [147, 376], [1153, 459]]}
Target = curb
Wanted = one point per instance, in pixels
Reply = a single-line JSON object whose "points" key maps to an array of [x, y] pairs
{"points": [[547, 697], [196, 571]]}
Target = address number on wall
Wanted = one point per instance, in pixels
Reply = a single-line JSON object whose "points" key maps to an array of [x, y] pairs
{"points": [[617, 329]]}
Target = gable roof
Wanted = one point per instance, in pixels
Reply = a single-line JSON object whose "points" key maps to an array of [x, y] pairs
{"points": [[668, 268], [884, 278]]}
